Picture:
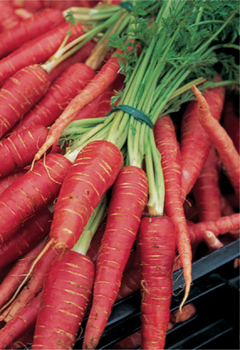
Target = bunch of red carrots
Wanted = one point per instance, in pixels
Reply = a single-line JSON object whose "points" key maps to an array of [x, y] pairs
{"points": [[116, 132]]}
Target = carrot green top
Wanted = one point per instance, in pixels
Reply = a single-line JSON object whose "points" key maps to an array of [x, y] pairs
{"points": [[178, 49]]}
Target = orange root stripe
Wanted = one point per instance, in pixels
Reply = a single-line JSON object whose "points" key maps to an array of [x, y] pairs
{"points": [[129, 198], [166, 142], [65, 297], [156, 245], [93, 172], [223, 143], [195, 142], [96, 87], [31, 193]]}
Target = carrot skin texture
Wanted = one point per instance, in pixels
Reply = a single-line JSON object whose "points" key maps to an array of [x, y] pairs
{"points": [[37, 50], [223, 143], [25, 320], [31, 193], [156, 243], [17, 273], [65, 296], [194, 138], [97, 85], [8, 18], [29, 29], [206, 190], [18, 150], [168, 147], [60, 93], [93, 172], [218, 227], [34, 285], [128, 200], [5, 182], [19, 94], [34, 229]]}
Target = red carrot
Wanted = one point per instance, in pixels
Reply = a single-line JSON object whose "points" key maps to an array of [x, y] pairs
{"points": [[18, 150], [24, 321], [94, 247], [5, 182], [97, 85], [93, 172], [19, 94], [65, 296], [188, 311], [230, 119], [223, 143], [156, 243], [8, 18], [31, 193], [167, 145], [206, 190], [102, 104], [33, 5], [218, 227], [29, 29], [131, 278], [80, 56], [61, 92], [34, 229], [37, 50], [17, 273], [195, 142], [33, 287], [128, 199], [23, 13]]}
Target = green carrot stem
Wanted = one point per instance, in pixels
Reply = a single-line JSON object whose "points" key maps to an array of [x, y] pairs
{"points": [[90, 229]]}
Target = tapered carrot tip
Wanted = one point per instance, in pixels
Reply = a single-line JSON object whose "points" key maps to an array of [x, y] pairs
{"points": [[187, 290], [201, 100]]}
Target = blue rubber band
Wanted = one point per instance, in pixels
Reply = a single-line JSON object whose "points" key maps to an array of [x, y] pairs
{"points": [[136, 113]]}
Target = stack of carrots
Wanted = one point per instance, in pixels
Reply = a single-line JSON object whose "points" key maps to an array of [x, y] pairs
{"points": [[120, 161]]}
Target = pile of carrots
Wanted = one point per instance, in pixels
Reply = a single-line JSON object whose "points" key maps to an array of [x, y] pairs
{"points": [[85, 220]]}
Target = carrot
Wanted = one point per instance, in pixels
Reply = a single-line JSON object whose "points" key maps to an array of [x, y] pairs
{"points": [[33, 5], [230, 119], [65, 296], [8, 18], [128, 199], [93, 249], [31, 193], [156, 243], [218, 227], [131, 278], [37, 50], [23, 13], [133, 341], [168, 147], [97, 85], [188, 311], [34, 229], [102, 104], [195, 142], [33, 287], [223, 143], [24, 321], [29, 29], [93, 172], [212, 241], [19, 94], [18, 149], [17, 273], [80, 56], [5, 182], [206, 189], [60, 93]]}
